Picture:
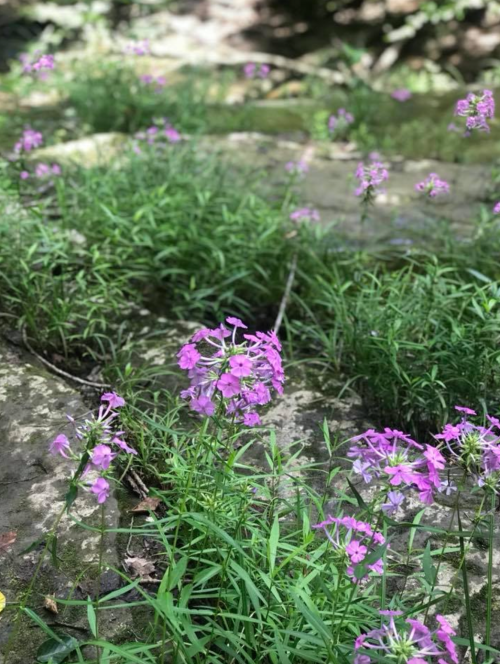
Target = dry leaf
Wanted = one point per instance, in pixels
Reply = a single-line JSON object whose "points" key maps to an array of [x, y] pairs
{"points": [[140, 568], [7, 539], [147, 505], [3, 602], [50, 604]]}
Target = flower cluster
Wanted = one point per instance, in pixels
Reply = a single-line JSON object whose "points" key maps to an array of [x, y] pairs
{"points": [[102, 444], [156, 82], [297, 168], [401, 94], [341, 121], [353, 541], [29, 140], [305, 214], [138, 48], [251, 70], [411, 643], [238, 376], [38, 65], [477, 109], [476, 448], [404, 464], [432, 186], [370, 178], [43, 172], [159, 134]]}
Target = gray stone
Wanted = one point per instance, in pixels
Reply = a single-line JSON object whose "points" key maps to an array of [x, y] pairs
{"points": [[33, 484], [399, 216]]}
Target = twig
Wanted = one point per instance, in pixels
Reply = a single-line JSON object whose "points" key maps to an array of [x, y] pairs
{"points": [[286, 294], [137, 484], [55, 369]]}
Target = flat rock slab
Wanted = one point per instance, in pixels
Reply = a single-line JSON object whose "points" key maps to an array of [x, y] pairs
{"points": [[399, 215], [33, 407]]}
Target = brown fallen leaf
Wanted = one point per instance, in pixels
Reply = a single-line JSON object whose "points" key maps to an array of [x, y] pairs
{"points": [[147, 505], [140, 568], [7, 540], [49, 603]]}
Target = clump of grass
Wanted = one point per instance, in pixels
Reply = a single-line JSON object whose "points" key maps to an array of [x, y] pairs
{"points": [[416, 340]]}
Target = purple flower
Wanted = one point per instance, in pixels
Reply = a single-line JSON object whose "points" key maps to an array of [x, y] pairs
{"points": [[229, 385], [240, 375], [138, 48], [370, 178], [401, 94], [297, 167], [341, 121], [24, 175], [114, 401], [394, 502], [432, 186], [101, 489], [305, 214], [203, 405], [249, 70], [410, 641], [355, 538], [394, 457], [102, 456], [39, 63], [59, 445], [29, 140], [496, 208], [477, 109]]}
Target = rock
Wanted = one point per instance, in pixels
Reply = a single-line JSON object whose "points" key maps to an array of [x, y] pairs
{"points": [[33, 406], [399, 216], [95, 150]]}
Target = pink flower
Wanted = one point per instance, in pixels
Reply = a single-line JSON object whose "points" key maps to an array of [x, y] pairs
{"points": [[236, 322], [172, 135], [59, 445], [241, 366], [251, 419], [123, 445], [433, 186], [370, 178], [188, 356], [203, 405], [465, 410], [356, 551], [249, 70], [101, 489], [305, 214], [229, 385], [113, 399], [477, 109], [102, 456], [401, 94], [24, 175], [496, 208]]}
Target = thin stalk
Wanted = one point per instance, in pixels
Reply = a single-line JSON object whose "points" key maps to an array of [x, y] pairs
{"points": [[468, 610], [491, 534]]}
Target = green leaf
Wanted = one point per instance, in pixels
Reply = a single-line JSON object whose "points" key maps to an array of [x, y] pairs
{"points": [[428, 567], [56, 651], [71, 495], [272, 544], [91, 617], [177, 572]]}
